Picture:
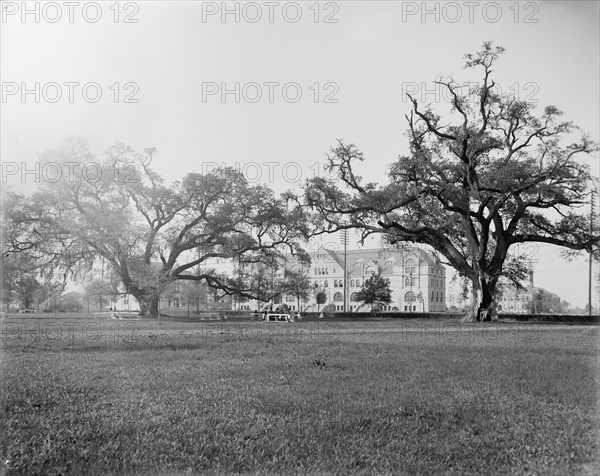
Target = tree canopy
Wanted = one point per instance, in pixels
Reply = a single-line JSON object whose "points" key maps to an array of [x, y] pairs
{"points": [[150, 233], [375, 291], [491, 176]]}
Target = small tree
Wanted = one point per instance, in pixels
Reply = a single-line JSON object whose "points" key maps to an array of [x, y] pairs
{"points": [[99, 291], [70, 302], [321, 299], [420, 299], [25, 288], [297, 283], [375, 291]]}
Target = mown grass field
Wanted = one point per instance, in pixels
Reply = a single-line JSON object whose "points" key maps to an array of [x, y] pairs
{"points": [[376, 397]]}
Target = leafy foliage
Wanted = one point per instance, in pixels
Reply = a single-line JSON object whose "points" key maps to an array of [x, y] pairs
{"points": [[297, 283], [374, 291], [492, 176], [150, 233]]}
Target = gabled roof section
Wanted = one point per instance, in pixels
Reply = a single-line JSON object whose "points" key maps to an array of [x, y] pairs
{"points": [[335, 257], [357, 260]]}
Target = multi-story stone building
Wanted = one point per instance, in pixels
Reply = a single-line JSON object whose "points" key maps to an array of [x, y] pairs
{"points": [[530, 300], [417, 280]]}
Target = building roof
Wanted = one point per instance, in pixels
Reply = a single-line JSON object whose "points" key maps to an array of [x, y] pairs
{"points": [[385, 260]]}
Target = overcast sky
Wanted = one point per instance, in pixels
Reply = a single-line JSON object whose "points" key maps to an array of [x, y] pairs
{"points": [[270, 86]]}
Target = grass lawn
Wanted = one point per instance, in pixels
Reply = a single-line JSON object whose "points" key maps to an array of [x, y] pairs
{"points": [[380, 397]]}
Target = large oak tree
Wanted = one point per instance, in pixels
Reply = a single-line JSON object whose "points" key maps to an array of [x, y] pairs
{"points": [[149, 232], [491, 176]]}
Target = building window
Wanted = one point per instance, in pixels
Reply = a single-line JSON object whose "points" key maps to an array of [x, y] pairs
{"points": [[353, 297], [410, 297], [406, 282], [326, 283], [335, 283], [351, 283], [338, 297]]}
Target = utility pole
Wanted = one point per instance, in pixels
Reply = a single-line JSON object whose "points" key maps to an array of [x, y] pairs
{"points": [[592, 209], [344, 240]]}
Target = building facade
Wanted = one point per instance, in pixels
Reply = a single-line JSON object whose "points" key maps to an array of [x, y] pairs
{"points": [[417, 280], [530, 300]]}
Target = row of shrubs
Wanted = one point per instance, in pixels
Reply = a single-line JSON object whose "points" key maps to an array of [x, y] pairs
{"points": [[311, 316]]}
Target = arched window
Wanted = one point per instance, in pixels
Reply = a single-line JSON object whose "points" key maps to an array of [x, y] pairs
{"points": [[410, 297], [335, 283], [341, 283], [413, 281], [351, 283], [409, 262], [353, 297], [338, 297], [358, 283], [406, 282], [326, 284]]}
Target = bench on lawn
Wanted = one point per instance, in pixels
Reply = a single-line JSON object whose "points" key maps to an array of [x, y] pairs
{"points": [[103, 315], [122, 315], [279, 317], [211, 316], [126, 315]]}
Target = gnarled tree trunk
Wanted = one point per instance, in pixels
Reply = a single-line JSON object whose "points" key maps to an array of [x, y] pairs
{"points": [[488, 306], [148, 303], [484, 306]]}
